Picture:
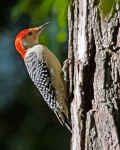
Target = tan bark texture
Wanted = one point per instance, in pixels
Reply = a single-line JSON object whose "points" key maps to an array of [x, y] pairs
{"points": [[94, 74]]}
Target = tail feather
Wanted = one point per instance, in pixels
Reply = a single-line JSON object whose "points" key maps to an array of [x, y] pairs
{"points": [[63, 119], [68, 124]]}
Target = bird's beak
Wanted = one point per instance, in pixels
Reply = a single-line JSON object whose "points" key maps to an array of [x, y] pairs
{"points": [[42, 27]]}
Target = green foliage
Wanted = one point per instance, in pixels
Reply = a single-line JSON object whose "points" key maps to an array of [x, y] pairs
{"points": [[107, 6], [61, 36], [43, 10]]}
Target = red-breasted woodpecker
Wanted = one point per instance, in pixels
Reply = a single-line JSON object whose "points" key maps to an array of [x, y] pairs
{"points": [[44, 70]]}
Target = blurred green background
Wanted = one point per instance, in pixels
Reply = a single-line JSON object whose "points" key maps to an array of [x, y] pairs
{"points": [[26, 122]]}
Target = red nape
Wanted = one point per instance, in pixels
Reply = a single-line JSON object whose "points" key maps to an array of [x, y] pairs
{"points": [[18, 42]]}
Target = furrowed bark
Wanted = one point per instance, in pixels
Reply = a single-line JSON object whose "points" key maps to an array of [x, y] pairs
{"points": [[94, 73]]}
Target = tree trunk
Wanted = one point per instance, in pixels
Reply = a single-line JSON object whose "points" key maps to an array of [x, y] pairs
{"points": [[94, 73]]}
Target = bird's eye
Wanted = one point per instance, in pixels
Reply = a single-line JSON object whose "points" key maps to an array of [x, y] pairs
{"points": [[30, 33]]}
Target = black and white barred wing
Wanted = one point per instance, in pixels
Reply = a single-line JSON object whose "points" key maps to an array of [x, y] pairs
{"points": [[39, 74]]}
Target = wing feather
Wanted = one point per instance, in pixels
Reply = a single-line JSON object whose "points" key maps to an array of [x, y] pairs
{"points": [[39, 73]]}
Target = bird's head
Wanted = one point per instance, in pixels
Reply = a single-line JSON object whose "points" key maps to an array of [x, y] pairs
{"points": [[27, 38]]}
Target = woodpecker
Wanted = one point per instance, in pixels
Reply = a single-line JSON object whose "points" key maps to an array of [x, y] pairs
{"points": [[44, 70]]}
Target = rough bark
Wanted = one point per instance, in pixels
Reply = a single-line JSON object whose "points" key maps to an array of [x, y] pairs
{"points": [[94, 72]]}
